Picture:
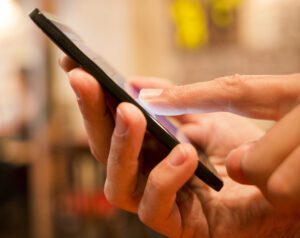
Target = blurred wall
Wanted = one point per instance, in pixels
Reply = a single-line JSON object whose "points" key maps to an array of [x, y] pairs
{"points": [[139, 38]]}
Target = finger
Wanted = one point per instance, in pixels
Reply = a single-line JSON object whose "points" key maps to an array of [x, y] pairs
{"points": [[67, 63], [153, 82], [267, 97], [197, 133], [97, 118], [122, 167], [257, 162], [150, 82], [233, 163], [206, 129], [283, 185], [158, 208]]}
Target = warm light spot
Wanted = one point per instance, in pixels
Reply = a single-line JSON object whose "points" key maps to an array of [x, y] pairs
{"points": [[9, 14]]}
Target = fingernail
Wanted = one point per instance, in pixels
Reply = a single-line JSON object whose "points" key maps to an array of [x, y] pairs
{"points": [[177, 159], [148, 94], [156, 103], [121, 126], [147, 99]]}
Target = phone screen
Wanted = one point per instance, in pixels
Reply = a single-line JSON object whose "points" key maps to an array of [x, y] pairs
{"points": [[118, 79], [164, 129]]}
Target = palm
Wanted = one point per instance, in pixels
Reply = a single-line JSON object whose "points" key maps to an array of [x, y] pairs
{"points": [[237, 210]]}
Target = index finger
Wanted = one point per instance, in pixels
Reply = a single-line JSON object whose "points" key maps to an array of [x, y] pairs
{"points": [[150, 82], [262, 96], [97, 118]]}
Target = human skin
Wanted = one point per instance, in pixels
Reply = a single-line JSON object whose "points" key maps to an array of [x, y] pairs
{"points": [[168, 198], [271, 163]]}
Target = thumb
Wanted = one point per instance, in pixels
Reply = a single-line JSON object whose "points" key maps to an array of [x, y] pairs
{"points": [[260, 96], [234, 163]]}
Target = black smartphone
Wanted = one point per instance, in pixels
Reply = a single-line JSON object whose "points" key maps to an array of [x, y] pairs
{"points": [[113, 83]]}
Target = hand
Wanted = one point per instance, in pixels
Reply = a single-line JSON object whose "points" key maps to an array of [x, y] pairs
{"points": [[271, 163], [127, 186], [160, 199]]}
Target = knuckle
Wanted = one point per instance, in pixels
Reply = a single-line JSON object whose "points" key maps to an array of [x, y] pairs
{"points": [[235, 84], [155, 183], [118, 140], [176, 94]]}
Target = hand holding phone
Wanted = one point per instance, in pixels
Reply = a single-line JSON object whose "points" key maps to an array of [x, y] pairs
{"points": [[163, 130]]}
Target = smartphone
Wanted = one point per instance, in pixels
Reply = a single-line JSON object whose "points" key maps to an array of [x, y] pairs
{"points": [[113, 83]]}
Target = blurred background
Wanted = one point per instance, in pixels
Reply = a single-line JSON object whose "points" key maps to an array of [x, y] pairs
{"points": [[50, 186]]}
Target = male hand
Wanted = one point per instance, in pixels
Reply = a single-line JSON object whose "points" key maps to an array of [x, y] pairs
{"points": [[272, 163], [166, 198]]}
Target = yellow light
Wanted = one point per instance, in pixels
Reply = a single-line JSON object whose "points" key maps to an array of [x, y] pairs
{"points": [[222, 11], [190, 20]]}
